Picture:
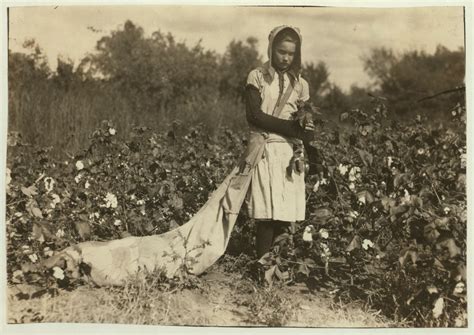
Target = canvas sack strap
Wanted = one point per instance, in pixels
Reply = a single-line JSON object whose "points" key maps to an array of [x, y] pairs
{"points": [[281, 102]]}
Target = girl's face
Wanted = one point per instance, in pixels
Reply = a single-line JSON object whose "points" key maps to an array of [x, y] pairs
{"points": [[284, 54]]}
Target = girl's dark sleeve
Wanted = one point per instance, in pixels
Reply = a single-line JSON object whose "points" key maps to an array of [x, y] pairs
{"points": [[258, 118]]}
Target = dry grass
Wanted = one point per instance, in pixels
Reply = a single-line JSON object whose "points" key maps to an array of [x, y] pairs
{"points": [[219, 299]]}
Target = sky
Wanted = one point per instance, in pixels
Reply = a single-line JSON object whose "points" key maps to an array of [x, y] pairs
{"points": [[337, 36]]}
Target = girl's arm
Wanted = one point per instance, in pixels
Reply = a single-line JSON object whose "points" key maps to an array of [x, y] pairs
{"points": [[258, 118]]}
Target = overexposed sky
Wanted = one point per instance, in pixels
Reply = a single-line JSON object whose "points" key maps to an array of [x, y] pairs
{"points": [[337, 36]]}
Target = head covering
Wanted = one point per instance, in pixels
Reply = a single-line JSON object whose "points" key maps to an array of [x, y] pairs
{"points": [[295, 67]]}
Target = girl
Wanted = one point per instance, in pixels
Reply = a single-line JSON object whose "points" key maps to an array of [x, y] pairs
{"points": [[276, 196]]}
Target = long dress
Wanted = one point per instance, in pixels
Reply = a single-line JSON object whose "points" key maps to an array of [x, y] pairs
{"points": [[273, 194]]}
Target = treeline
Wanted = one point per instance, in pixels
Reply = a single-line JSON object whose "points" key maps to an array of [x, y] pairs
{"points": [[133, 79]]}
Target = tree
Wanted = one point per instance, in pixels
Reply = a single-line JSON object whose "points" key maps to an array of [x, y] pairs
{"points": [[335, 101], [406, 78], [318, 80], [239, 59], [155, 73]]}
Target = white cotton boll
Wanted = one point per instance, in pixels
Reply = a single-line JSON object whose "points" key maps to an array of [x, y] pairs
{"points": [[316, 186], [112, 131], [56, 200], [354, 174], [60, 233], [324, 233], [48, 252], [49, 184], [406, 197], [79, 165], [325, 248], [366, 244], [352, 186], [307, 234], [353, 214], [87, 184], [389, 161], [111, 200], [459, 289], [438, 308], [33, 258], [432, 289], [78, 178], [342, 169], [117, 223], [58, 273]]}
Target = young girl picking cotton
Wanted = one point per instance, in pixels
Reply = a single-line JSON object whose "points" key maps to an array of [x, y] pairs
{"points": [[276, 196]]}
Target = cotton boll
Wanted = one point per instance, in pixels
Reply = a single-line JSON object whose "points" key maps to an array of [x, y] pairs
{"points": [[58, 273], [307, 234], [79, 165], [324, 233], [366, 244]]}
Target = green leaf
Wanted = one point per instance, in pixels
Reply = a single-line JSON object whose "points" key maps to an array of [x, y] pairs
{"points": [[343, 116], [388, 203], [430, 232], [354, 244], [266, 259], [303, 268], [366, 157], [29, 191], [409, 252], [32, 208], [281, 237], [322, 214], [401, 179], [451, 246], [269, 274], [37, 233], [278, 273], [309, 262], [83, 229], [173, 224]]}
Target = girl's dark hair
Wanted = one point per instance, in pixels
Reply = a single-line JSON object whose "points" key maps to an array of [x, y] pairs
{"points": [[286, 34]]}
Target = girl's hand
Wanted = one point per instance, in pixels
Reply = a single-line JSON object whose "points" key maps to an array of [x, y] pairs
{"points": [[306, 122], [309, 126]]}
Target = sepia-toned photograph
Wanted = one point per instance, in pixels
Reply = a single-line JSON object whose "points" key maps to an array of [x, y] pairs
{"points": [[236, 165]]}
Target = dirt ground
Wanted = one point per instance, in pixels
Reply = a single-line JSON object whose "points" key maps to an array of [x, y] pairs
{"points": [[220, 299]]}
